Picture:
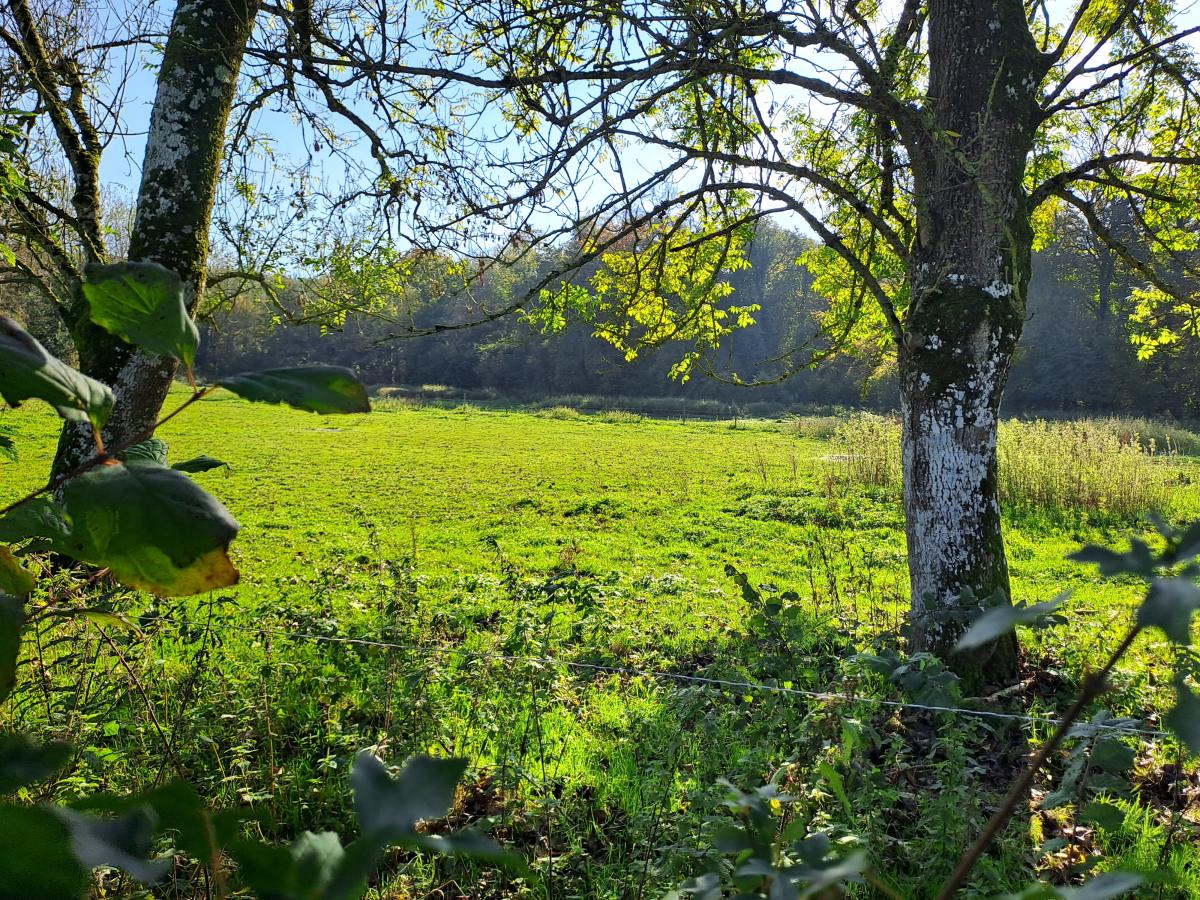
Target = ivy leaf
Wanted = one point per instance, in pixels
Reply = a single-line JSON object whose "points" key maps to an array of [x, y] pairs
{"points": [[999, 620], [153, 527], [313, 867], [200, 463], [319, 389], [1169, 605], [12, 620], [27, 371], [1184, 717], [151, 449], [37, 860], [142, 303], [122, 843], [23, 762], [14, 579], [1104, 887], [424, 789], [1138, 560]]}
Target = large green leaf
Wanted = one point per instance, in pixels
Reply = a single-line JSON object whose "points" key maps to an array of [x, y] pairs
{"points": [[40, 517], [14, 578], [151, 449], [36, 858], [1170, 604], [1184, 717], [142, 303], [27, 371], [22, 762], [152, 526], [319, 389], [12, 620], [391, 808]]}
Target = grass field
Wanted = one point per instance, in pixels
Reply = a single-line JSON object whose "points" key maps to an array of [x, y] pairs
{"points": [[462, 536]]}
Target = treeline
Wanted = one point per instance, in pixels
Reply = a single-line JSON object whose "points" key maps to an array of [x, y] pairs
{"points": [[1075, 355]]}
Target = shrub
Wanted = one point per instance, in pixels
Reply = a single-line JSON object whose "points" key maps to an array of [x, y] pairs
{"points": [[559, 412]]}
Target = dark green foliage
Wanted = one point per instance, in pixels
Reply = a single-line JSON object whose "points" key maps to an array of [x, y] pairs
{"points": [[37, 859], [12, 618], [23, 762], [28, 371], [319, 389]]}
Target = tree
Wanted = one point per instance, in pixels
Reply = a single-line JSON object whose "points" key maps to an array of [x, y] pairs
{"points": [[928, 145], [196, 84]]}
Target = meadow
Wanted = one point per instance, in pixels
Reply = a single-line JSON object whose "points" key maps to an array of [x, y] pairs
{"points": [[516, 587]]}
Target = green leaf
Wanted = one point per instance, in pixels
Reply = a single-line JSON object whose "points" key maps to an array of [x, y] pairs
{"points": [[1138, 560], [199, 464], [1112, 755], [14, 579], [8, 450], [22, 762], [12, 620], [312, 867], [37, 860], [1184, 717], [154, 527], [424, 789], [319, 389], [150, 450], [1169, 605], [836, 784], [142, 303], [1001, 619], [1107, 816], [40, 517], [27, 371]]}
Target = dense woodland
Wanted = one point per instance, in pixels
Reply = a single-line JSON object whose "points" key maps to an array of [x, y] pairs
{"points": [[1076, 354]]}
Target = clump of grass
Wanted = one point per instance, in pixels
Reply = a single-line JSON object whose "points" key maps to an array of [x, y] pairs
{"points": [[619, 417], [559, 412], [821, 428], [867, 452], [1101, 469]]}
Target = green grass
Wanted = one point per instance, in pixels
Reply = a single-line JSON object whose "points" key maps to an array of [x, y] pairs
{"points": [[594, 538]]}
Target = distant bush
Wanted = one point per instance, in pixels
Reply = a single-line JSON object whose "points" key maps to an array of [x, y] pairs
{"points": [[821, 428], [559, 412], [620, 417], [1100, 468]]}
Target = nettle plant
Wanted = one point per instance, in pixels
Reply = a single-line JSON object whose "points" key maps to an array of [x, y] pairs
{"points": [[152, 527], [764, 853]]}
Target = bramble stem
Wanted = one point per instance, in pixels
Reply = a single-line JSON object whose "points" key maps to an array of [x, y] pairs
{"points": [[1093, 686]]}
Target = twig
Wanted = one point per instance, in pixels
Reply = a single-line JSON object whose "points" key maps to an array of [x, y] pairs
{"points": [[104, 457]]}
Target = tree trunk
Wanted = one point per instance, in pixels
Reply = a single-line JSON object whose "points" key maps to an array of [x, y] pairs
{"points": [[196, 88], [968, 282]]}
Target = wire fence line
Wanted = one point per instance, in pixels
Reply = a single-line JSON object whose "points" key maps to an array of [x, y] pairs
{"points": [[677, 677]]}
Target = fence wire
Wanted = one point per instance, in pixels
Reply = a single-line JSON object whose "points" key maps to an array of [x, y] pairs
{"points": [[676, 677]]}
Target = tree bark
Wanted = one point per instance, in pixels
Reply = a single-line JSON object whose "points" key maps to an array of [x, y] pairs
{"points": [[968, 281], [196, 88]]}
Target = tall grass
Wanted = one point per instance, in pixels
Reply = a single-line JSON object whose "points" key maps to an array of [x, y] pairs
{"points": [[1098, 469]]}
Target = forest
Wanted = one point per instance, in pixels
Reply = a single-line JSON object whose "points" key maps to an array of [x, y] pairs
{"points": [[619, 449]]}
